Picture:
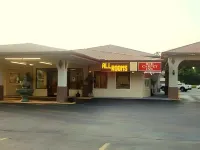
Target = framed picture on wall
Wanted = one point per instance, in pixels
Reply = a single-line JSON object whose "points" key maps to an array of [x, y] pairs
{"points": [[14, 77], [41, 78]]}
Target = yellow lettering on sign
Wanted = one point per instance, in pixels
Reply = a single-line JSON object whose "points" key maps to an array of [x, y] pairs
{"points": [[114, 67], [126, 68], [103, 65], [109, 65]]}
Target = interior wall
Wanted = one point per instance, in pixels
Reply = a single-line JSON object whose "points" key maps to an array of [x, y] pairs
{"points": [[10, 88]]}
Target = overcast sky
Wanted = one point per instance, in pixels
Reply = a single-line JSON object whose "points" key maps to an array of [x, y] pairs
{"points": [[146, 25]]}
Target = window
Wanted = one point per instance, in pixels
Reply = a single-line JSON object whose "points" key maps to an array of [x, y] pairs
{"points": [[100, 79], [75, 78], [123, 80], [41, 79]]}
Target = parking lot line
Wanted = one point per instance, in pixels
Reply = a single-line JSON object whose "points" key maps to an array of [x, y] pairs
{"points": [[1, 139], [104, 147]]}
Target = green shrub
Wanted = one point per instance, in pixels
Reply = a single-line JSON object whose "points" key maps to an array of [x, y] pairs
{"points": [[194, 86]]}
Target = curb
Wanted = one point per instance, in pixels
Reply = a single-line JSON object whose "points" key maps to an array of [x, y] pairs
{"points": [[34, 103]]}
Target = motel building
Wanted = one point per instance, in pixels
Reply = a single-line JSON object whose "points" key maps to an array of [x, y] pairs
{"points": [[102, 72]]}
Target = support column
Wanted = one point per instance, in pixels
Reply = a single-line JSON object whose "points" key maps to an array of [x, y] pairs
{"points": [[173, 78], [166, 80], [62, 89], [1, 86]]}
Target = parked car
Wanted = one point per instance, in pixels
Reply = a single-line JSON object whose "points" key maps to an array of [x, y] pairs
{"points": [[198, 86], [162, 86], [182, 87], [190, 87]]}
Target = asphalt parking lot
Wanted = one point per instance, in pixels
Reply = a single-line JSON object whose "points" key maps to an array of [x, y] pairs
{"points": [[120, 125], [191, 95]]}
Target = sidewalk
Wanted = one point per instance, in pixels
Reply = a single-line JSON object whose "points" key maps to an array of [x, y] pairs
{"points": [[36, 102]]}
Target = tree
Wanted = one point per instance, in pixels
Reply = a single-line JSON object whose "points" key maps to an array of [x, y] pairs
{"points": [[157, 53], [189, 75]]}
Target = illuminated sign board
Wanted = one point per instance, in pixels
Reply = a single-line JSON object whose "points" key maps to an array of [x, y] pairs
{"points": [[115, 67], [149, 66]]}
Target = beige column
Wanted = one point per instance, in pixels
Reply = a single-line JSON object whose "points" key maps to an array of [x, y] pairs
{"points": [[62, 89], [173, 90], [1, 86], [158, 83]]}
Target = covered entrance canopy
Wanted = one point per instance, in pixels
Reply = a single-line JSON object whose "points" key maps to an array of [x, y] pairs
{"points": [[188, 55], [29, 57], [45, 53]]}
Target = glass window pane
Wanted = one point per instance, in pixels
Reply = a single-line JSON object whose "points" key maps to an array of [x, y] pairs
{"points": [[123, 80], [75, 78], [100, 79]]}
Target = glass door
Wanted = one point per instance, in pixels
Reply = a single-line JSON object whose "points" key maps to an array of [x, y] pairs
{"points": [[52, 82]]}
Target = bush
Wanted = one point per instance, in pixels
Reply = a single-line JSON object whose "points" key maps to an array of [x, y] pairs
{"points": [[194, 86]]}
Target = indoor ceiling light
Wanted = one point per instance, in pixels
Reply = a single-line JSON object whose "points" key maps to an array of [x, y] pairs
{"points": [[47, 63], [21, 63], [22, 58], [13, 58], [30, 58], [31, 64]]}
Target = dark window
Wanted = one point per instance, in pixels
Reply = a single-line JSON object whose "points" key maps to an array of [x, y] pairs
{"points": [[123, 80], [100, 79], [75, 78]]}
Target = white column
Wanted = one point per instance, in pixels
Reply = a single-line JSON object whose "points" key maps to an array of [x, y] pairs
{"points": [[158, 83], [173, 77], [62, 90], [62, 73], [1, 78], [1, 86]]}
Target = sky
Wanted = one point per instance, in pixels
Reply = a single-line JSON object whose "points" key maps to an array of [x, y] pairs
{"points": [[146, 25]]}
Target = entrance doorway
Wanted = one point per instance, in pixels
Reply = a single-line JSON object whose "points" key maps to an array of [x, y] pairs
{"points": [[52, 82]]}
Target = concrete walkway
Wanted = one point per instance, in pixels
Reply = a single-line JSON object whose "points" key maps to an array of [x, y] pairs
{"points": [[39, 102]]}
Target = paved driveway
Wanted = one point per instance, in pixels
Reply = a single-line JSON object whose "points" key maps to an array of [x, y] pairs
{"points": [[116, 125], [191, 95]]}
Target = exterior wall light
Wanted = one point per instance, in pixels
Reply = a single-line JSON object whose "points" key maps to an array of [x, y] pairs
{"points": [[173, 72]]}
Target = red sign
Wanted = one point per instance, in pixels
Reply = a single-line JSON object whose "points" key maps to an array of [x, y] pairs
{"points": [[149, 66]]}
